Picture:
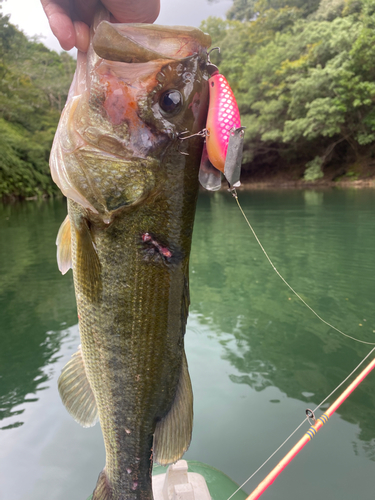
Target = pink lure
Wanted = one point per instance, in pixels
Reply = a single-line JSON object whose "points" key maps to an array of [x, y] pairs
{"points": [[223, 115]]}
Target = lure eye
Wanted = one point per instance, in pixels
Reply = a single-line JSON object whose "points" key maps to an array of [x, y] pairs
{"points": [[171, 102]]}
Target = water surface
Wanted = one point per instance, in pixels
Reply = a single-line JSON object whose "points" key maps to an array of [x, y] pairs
{"points": [[257, 357]]}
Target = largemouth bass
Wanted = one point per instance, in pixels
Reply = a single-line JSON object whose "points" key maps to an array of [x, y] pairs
{"points": [[132, 189]]}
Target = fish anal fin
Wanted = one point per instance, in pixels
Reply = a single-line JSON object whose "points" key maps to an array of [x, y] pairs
{"points": [[173, 433], [76, 393], [102, 490], [64, 246]]}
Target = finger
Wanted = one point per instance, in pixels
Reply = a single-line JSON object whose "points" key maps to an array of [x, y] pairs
{"points": [[60, 23], [82, 34], [133, 11], [85, 10]]}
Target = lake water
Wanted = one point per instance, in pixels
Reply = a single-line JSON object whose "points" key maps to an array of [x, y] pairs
{"points": [[257, 357]]}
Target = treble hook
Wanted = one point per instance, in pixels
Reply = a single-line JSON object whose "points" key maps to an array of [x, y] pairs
{"points": [[202, 133]]}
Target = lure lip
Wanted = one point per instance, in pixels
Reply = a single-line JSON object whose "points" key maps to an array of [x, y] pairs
{"points": [[212, 69], [233, 159]]}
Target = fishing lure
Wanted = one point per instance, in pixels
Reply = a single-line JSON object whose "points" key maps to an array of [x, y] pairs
{"points": [[224, 136], [222, 151], [223, 116]]}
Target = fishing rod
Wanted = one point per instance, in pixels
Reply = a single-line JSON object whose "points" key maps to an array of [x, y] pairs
{"points": [[323, 419], [319, 422]]}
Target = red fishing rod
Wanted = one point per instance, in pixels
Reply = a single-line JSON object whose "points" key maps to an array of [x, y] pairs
{"points": [[261, 488]]}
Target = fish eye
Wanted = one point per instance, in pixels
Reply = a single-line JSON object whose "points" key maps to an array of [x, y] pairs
{"points": [[171, 102]]}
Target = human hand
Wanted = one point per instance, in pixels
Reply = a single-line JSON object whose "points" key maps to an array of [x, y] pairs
{"points": [[70, 19]]}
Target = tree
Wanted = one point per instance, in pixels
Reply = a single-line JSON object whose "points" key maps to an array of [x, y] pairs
{"points": [[247, 10], [33, 88], [242, 10], [305, 85]]}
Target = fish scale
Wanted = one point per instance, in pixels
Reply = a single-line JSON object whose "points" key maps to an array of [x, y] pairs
{"points": [[140, 298], [150, 292]]}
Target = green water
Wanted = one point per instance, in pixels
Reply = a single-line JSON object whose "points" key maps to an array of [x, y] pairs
{"points": [[257, 357]]}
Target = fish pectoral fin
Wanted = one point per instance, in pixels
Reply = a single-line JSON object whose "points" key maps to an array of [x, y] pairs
{"points": [[64, 246], [173, 433], [88, 263], [76, 393]]}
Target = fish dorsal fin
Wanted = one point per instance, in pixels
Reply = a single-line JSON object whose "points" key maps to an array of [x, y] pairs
{"points": [[64, 246], [76, 393], [173, 433]]}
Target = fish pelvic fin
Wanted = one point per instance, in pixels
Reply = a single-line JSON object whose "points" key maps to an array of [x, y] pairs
{"points": [[64, 246], [173, 433], [76, 393], [102, 490]]}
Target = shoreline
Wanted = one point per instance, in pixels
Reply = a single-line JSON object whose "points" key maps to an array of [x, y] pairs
{"points": [[280, 184], [248, 185]]}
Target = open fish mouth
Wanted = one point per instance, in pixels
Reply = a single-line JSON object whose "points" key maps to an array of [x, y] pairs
{"points": [[134, 43]]}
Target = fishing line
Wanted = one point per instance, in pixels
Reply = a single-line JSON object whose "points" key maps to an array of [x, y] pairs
{"points": [[301, 424], [268, 459], [343, 382], [234, 193]]}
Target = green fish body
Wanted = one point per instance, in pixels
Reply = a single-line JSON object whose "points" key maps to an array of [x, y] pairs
{"points": [[131, 202]]}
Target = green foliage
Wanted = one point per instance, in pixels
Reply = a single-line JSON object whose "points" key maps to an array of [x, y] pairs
{"points": [[306, 6], [24, 170], [247, 10], [303, 74], [33, 88], [313, 170], [242, 10], [329, 9]]}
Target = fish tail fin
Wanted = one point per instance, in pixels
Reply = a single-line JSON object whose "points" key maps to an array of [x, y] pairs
{"points": [[103, 490]]}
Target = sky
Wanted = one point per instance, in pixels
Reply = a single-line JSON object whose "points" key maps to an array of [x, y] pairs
{"points": [[28, 15]]}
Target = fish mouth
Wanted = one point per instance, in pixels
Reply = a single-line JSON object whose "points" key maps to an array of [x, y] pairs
{"points": [[137, 43]]}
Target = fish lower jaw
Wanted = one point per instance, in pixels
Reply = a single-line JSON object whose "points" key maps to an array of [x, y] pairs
{"points": [[107, 218]]}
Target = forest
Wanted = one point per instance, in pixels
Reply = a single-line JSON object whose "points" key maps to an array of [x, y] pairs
{"points": [[303, 72], [34, 84]]}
